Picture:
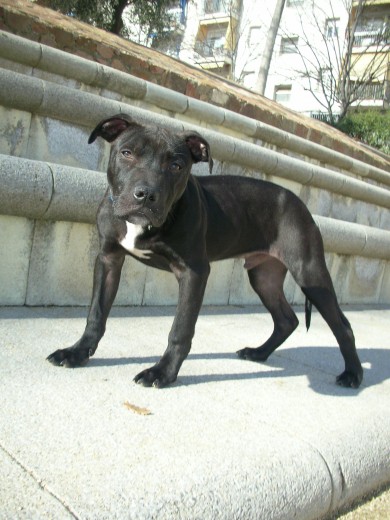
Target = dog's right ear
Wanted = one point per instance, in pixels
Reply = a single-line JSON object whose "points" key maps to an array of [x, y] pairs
{"points": [[199, 148], [110, 128]]}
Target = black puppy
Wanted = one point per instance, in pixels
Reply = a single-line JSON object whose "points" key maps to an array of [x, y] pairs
{"points": [[156, 211]]}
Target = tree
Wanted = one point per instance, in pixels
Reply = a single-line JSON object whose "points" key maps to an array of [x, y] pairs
{"points": [[269, 47], [123, 17], [343, 66]]}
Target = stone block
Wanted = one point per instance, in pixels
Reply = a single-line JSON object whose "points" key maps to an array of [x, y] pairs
{"points": [[14, 131], [120, 82], [218, 284], [384, 292], [344, 208], [131, 287], [84, 107], [19, 49], [339, 266], [298, 296], [77, 194], [26, 187], [61, 266], [222, 146], [68, 65], [340, 237], [238, 123], [204, 112], [289, 287], [364, 280], [161, 288], [241, 292], [166, 98], [14, 87], [60, 142], [289, 168], [16, 236]]}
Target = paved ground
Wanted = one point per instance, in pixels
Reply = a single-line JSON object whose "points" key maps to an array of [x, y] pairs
{"points": [[376, 507], [230, 440]]}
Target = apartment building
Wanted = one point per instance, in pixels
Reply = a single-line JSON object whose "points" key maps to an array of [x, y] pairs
{"points": [[371, 52], [228, 38]]}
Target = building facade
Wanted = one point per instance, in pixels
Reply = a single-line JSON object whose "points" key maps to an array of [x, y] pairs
{"points": [[310, 50]]}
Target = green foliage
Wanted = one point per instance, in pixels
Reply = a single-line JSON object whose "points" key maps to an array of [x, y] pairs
{"points": [[150, 15], [369, 126]]}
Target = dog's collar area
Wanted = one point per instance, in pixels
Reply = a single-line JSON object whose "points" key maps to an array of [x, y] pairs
{"points": [[111, 197]]}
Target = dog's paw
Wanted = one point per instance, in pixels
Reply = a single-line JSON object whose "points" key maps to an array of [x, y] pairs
{"points": [[153, 377], [69, 358], [350, 379], [253, 354]]}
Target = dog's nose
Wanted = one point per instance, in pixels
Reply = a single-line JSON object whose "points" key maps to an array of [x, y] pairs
{"points": [[143, 193]]}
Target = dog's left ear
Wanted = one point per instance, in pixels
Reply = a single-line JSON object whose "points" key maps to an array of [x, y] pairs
{"points": [[110, 128], [199, 148]]}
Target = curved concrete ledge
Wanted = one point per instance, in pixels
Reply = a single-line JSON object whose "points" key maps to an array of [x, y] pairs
{"points": [[348, 238], [40, 56], [84, 108], [47, 191], [39, 190]]}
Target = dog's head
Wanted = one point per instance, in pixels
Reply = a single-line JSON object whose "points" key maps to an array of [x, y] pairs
{"points": [[148, 168]]}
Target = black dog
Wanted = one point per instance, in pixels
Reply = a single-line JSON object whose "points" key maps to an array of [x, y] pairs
{"points": [[156, 211]]}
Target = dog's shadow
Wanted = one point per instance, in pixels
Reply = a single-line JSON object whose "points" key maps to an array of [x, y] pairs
{"points": [[320, 364]]}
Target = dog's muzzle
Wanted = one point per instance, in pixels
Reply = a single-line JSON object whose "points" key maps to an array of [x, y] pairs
{"points": [[145, 195], [139, 206]]}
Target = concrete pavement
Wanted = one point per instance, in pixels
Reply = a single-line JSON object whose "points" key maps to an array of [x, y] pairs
{"points": [[230, 440]]}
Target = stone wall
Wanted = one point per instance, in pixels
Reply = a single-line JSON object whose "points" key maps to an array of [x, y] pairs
{"points": [[36, 23], [52, 181]]}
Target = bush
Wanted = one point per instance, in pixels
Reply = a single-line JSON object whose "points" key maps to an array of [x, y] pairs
{"points": [[370, 126]]}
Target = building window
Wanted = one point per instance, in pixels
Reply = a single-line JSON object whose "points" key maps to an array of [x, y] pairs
{"points": [[213, 44], [289, 45], [332, 28], [214, 6], [282, 93], [293, 3], [373, 90], [371, 31], [254, 36]]}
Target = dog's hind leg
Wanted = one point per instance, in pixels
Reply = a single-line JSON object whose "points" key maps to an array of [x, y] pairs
{"points": [[313, 277], [325, 300], [267, 281]]}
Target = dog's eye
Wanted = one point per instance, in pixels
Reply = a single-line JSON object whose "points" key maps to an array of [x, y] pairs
{"points": [[127, 154], [176, 167]]}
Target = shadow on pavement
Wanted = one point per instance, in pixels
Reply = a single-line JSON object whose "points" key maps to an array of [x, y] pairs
{"points": [[289, 362]]}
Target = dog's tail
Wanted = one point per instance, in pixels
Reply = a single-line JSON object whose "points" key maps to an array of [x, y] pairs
{"points": [[308, 306]]}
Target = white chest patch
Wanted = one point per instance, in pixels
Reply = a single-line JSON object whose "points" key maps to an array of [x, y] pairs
{"points": [[128, 241]]}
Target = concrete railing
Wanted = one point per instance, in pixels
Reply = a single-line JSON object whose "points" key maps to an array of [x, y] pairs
{"points": [[45, 58], [83, 108], [46, 191], [50, 186]]}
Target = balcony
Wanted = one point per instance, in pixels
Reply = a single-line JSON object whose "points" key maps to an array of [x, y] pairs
{"points": [[371, 38], [373, 91], [220, 9], [211, 49]]}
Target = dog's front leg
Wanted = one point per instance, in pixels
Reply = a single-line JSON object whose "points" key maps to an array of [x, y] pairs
{"points": [[107, 273], [192, 284]]}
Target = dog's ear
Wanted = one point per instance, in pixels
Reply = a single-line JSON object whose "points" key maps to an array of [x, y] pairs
{"points": [[199, 148], [110, 128]]}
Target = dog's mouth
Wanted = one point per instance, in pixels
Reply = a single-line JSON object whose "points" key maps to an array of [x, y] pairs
{"points": [[145, 214], [144, 217]]}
